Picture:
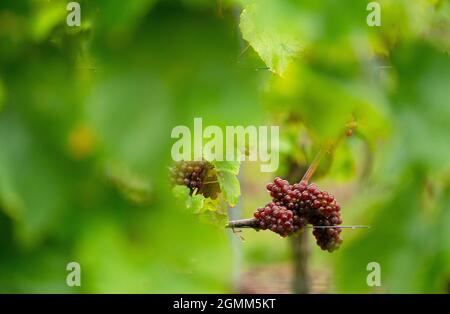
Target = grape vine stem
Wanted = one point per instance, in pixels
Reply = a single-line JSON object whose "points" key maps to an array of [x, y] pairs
{"points": [[242, 223], [251, 223]]}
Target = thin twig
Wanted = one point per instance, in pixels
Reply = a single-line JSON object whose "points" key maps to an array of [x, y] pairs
{"points": [[210, 182], [313, 166], [324, 149]]}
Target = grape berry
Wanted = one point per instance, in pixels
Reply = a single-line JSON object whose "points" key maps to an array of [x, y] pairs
{"points": [[293, 206]]}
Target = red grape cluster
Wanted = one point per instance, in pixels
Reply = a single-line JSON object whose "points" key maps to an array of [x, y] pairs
{"points": [[189, 173], [293, 206], [279, 219]]}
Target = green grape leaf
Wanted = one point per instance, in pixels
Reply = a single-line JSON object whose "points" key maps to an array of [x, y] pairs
{"points": [[217, 218], [211, 205], [229, 166], [180, 192], [193, 202], [230, 187], [196, 203], [214, 212]]}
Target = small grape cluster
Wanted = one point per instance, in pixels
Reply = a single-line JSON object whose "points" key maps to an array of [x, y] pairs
{"points": [[293, 206], [189, 173]]}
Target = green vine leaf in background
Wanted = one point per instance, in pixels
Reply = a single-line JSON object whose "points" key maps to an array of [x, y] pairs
{"points": [[276, 32], [132, 186]]}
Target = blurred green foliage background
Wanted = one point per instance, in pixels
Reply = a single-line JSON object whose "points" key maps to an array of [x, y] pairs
{"points": [[86, 114]]}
